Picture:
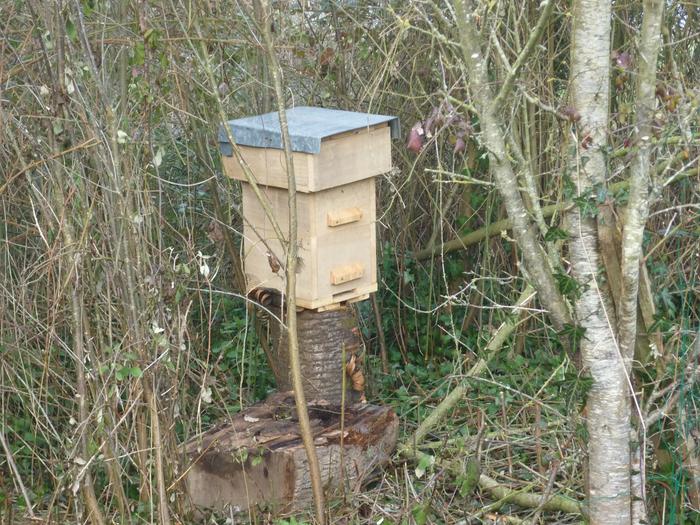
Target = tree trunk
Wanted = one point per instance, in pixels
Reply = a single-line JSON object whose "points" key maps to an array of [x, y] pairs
{"points": [[636, 216], [608, 400], [323, 338], [492, 135]]}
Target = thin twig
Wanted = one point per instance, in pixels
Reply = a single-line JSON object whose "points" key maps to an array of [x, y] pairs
{"points": [[290, 273], [532, 41], [17, 477]]}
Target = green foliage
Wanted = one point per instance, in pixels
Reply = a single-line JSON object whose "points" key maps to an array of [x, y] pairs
{"points": [[424, 463], [568, 286], [236, 355], [421, 513], [291, 521], [587, 204], [556, 234], [470, 479]]}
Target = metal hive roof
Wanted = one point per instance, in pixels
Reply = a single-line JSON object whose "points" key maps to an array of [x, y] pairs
{"points": [[308, 126]]}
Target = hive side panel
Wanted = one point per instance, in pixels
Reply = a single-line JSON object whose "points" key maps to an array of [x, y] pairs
{"points": [[344, 206], [347, 259], [312, 170], [351, 157], [336, 236], [268, 167], [373, 230], [259, 267], [260, 272], [278, 201]]}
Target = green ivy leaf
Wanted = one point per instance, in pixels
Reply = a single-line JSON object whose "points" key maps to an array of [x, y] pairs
{"points": [[568, 285], [572, 331], [71, 31], [122, 373], [601, 193], [587, 206], [556, 234], [139, 54]]}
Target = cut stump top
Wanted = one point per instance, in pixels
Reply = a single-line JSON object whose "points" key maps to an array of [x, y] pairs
{"points": [[258, 459]]}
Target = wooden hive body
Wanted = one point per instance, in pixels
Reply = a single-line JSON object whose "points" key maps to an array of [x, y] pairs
{"points": [[336, 239], [336, 156]]}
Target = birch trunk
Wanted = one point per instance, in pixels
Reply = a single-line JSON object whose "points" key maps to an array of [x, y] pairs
{"points": [[636, 216], [637, 209], [608, 400]]}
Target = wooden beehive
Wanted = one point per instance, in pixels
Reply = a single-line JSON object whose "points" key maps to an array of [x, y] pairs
{"points": [[336, 154]]}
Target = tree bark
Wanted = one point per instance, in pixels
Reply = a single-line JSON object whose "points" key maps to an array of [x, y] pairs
{"points": [[636, 216], [323, 339], [637, 209], [258, 458], [608, 400]]}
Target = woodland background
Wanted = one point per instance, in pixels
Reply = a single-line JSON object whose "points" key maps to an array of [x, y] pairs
{"points": [[122, 333]]}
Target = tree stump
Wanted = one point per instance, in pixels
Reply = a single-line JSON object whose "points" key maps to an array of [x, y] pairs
{"points": [[323, 338], [258, 459]]}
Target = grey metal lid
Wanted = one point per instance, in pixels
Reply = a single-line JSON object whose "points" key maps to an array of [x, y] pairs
{"points": [[308, 126]]}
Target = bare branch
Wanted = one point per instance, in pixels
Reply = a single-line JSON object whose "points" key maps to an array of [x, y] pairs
{"points": [[547, 7]]}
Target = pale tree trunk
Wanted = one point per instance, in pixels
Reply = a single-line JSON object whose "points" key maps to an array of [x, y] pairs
{"points": [[636, 216], [608, 399], [637, 209]]}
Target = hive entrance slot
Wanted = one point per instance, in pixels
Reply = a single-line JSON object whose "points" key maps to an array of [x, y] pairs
{"points": [[339, 296]]}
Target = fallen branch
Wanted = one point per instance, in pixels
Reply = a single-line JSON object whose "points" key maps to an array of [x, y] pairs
{"points": [[521, 497], [479, 235], [447, 404], [409, 449], [529, 499]]}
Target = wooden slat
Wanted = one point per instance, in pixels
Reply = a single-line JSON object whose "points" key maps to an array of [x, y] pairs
{"points": [[345, 216], [347, 273]]}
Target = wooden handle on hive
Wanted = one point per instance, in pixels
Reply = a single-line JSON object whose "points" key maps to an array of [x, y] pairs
{"points": [[346, 216], [350, 272]]}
